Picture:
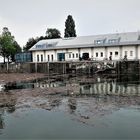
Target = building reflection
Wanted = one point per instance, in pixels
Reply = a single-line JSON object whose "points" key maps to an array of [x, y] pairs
{"points": [[7, 105], [49, 84], [53, 103], [72, 105], [110, 88], [126, 85], [1, 119]]}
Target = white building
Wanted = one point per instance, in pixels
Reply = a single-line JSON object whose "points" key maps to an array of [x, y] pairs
{"points": [[1, 59], [97, 47]]}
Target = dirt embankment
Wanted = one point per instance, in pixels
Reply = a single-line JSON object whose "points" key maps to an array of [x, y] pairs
{"points": [[12, 77]]}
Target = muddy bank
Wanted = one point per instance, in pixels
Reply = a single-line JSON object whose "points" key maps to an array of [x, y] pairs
{"points": [[12, 77], [81, 108], [82, 101]]}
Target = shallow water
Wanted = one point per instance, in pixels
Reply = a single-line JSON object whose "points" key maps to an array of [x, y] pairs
{"points": [[99, 108], [31, 124]]}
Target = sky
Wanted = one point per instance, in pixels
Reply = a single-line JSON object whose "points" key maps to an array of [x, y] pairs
{"points": [[31, 18]]}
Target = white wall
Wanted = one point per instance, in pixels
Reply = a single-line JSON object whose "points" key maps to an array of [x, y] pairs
{"points": [[50, 56], [139, 52], [1, 59], [113, 50], [99, 51], [38, 53], [73, 54], [34, 56], [128, 49]]}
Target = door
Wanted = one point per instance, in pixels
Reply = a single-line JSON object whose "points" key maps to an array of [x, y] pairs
{"points": [[61, 56]]}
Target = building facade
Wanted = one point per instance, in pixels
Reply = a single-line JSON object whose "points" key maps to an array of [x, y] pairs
{"points": [[97, 47]]}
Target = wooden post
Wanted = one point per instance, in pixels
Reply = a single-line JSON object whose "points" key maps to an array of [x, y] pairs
{"points": [[48, 68], [36, 67]]}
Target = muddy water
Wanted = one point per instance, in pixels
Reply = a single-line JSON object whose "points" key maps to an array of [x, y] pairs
{"points": [[76, 108]]}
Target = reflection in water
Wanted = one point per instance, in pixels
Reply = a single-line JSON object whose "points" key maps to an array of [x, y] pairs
{"points": [[54, 102], [124, 85], [111, 88], [7, 104], [83, 100], [17, 85], [1, 119], [72, 105]]}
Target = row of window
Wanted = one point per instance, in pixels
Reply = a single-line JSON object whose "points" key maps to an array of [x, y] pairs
{"points": [[131, 53], [102, 55], [72, 55], [40, 58], [110, 41], [116, 53]]}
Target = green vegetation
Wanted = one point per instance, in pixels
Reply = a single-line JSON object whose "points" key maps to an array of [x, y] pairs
{"points": [[70, 27], [8, 46], [53, 33]]}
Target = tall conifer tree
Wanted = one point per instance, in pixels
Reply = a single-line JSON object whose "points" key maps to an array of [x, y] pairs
{"points": [[70, 27]]}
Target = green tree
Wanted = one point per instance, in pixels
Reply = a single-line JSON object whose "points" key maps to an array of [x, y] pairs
{"points": [[8, 46], [70, 27], [53, 33], [16, 50], [30, 43]]}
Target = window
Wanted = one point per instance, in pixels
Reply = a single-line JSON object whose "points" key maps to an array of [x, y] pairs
{"points": [[50, 45], [99, 41], [139, 37], [48, 58], [73, 55], [111, 41], [101, 54], [40, 46], [125, 52], [76, 55], [70, 55], [52, 57], [41, 57], [37, 58], [116, 53], [96, 54], [110, 53], [131, 53]]}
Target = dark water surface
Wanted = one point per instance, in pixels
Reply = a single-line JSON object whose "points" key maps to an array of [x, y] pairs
{"points": [[94, 108], [40, 124]]}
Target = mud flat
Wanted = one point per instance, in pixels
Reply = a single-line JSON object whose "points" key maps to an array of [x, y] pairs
{"points": [[12, 77]]}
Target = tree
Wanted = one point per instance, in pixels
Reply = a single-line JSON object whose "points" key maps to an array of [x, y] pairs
{"points": [[16, 50], [53, 33], [30, 43], [8, 45], [70, 27]]}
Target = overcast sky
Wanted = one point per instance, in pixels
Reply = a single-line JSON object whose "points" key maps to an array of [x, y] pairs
{"points": [[31, 18]]}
